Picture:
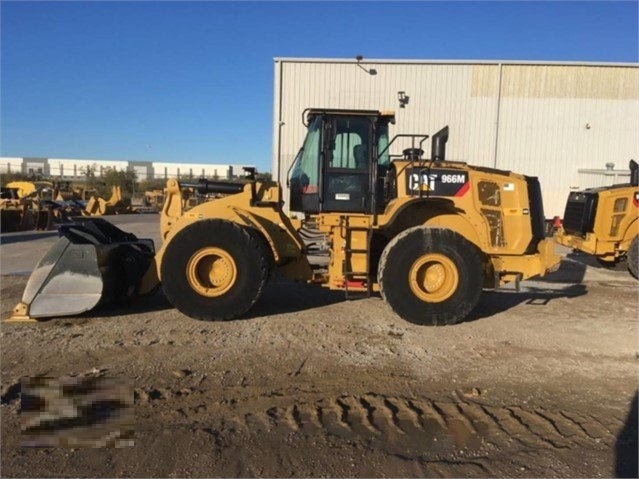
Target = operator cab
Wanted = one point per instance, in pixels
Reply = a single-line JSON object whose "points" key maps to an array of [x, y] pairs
{"points": [[344, 153]]}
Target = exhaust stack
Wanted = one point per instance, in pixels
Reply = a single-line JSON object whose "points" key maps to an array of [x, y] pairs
{"points": [[438, 145], [634, 173]]}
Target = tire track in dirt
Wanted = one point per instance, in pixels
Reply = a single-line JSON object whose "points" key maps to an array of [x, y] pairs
{"points": [[410, 426]]}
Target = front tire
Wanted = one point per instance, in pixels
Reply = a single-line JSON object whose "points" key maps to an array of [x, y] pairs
{"points": [[214, 270], [431, 276]]}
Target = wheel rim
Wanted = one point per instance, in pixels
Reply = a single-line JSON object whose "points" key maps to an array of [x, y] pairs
{"points": [[433, 278], [211, 272]]}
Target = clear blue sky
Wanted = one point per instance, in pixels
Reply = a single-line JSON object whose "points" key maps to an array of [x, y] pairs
{"points": [[193, 82]]}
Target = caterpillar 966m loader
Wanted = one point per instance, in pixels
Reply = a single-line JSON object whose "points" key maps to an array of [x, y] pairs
{"points": [[428, 234], [604, 222]]}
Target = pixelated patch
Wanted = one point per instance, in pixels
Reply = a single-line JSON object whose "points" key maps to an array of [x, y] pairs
{"points": [[76, 411]]}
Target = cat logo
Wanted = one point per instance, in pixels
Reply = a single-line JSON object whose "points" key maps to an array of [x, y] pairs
{"points": [[421, 181], [438, 182]]}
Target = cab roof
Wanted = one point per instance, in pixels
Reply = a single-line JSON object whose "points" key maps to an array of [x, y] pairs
{"points": [[345, 112]]}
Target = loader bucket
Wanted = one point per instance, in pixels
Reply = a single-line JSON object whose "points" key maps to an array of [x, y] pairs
{"points": [[93, 263]]}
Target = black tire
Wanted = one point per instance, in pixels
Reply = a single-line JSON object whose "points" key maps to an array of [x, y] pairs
{"points": [[633, 257], [412, 254], [266, 250], [241, 253]]}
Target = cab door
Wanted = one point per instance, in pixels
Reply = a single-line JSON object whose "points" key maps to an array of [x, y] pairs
{"points": [[347, 149]]}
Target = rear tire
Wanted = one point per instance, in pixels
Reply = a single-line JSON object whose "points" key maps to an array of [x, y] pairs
{"points": [[431, 276], [214, 270], [633, 257]]}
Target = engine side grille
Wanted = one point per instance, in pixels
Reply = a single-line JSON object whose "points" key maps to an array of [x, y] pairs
{"points": [[537, 217], [579, 215]]}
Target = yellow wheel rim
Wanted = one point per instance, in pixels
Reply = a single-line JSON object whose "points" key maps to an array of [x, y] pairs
{"points": [[433, 278], [211, 272]]}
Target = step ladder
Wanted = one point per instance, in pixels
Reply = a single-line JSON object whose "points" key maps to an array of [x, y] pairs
{"points": [[351, 275]]}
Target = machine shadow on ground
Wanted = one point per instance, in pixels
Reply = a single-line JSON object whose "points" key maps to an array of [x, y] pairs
{"points": [[569, 272], [285, 296], [593, 262], [537, 292], [151, 303], [496, 302], [626, 445]]}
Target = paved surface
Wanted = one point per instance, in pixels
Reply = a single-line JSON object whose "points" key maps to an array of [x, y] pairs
{"points": [[20, 251]]}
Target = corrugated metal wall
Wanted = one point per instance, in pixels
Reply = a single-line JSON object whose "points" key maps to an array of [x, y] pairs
{"points": [[547, 120]]}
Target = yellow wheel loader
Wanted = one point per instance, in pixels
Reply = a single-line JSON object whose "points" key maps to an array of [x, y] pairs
{"points": [[154, 199], [428, 234], [36, 189], [604, 222], [25, 205], [115, 205]]}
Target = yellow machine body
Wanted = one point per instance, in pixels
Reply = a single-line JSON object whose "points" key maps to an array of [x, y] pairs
{"points": [[493, 214], [31, 188], [269, 219], [604, 222], [154, 198], [23, 206], [98, 206], [429, 235], [615, 225]]}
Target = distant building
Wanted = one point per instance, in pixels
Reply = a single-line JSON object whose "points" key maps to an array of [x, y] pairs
{"points": [[74, 169], [561, 122]]}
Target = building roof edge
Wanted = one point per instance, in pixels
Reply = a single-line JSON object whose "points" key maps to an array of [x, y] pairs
{"points": [[452, 62]]}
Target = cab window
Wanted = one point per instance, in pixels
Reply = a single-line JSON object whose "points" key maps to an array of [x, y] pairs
{"points": [[304, 179], [382, 145], [305, 172]]}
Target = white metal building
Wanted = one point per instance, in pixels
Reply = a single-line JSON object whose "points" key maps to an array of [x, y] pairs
{"points": [[556, 121], [76, 167], [68, 168]]}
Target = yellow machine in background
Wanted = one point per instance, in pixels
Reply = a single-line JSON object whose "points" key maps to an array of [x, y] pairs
{"points": [[26, 205], [36, 189], [69, 192], [154, 199], [115, 205], [428, 234], [15, 213], [604, 222]]}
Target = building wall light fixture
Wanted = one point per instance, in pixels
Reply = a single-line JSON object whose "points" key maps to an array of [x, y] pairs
{"points": [[403, 99], [370, 71]]}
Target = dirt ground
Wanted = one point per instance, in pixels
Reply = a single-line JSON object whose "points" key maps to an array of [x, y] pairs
{"points": [[540, 383]]}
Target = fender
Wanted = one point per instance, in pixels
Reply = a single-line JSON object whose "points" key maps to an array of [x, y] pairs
{"points": [[460, 224], [434, 212], [276, 228]]}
